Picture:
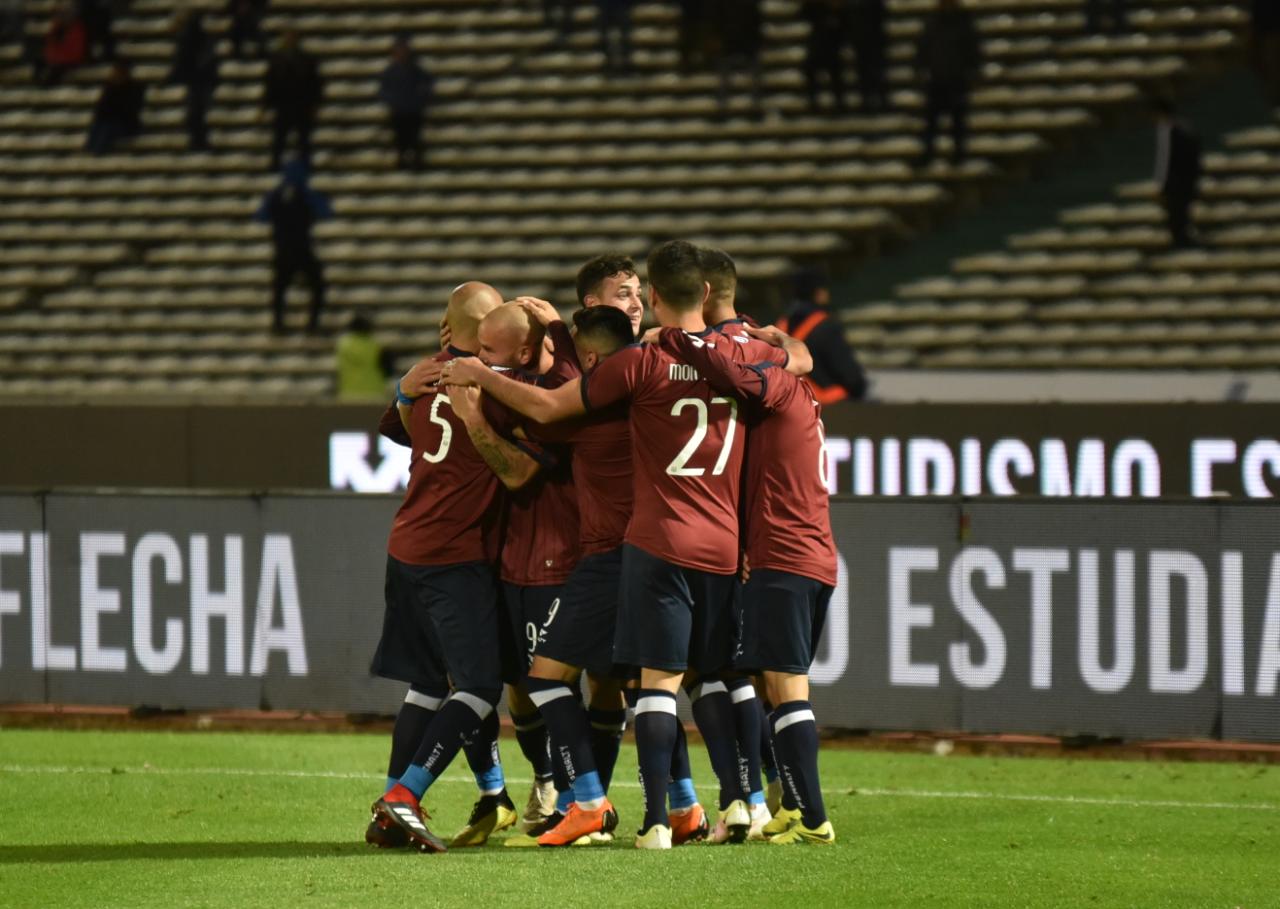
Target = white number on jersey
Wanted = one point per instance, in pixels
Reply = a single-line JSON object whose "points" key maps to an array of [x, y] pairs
{"points": [[679, 465], [446, 430]]}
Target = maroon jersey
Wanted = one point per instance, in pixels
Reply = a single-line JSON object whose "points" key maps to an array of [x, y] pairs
{"points": [[452, 508], [601, 465], [687, 448], [540, 546], [785, 506]]}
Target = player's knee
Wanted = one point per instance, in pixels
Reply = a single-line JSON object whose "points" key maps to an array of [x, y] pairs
{"points": [[426, 697], [703, 686]]}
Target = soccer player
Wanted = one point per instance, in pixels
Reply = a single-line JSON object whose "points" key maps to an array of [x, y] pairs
{"points": [[441, 619], [540, 548], [611, 280], [680, 555], [792, 564]]}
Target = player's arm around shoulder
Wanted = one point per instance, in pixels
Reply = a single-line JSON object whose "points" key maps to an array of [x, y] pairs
{"points": [[799, 359], [544, 405], [512, 466]]}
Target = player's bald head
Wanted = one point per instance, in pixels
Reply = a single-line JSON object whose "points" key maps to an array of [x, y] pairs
{"points": [[510, 337], [468, 305]]}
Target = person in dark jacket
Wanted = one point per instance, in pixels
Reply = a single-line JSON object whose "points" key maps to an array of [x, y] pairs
{"points": [[245, 25], [292, 93], [948, 58], [292, 209], [1096, 10], [828, 31], [98, 16], [837, 375], [614, 17], [738, 29], [195, 67], [117, 115], [868, 24], [406, 88], [1177, 171], [1266, 47]]}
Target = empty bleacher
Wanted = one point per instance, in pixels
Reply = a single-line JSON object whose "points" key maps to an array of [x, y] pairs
{"points": [[143, 272]]}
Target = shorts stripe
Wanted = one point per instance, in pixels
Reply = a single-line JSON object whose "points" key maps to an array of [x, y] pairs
{"points": [[481, 707], [799, 716], [425, 701], [656, 705], [745, 693]]}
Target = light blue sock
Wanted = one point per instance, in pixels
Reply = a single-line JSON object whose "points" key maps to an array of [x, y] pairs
{"points": [[565, 799], [681, 794], [492, 781], [756, 798], [417, 779], [587, 787]]}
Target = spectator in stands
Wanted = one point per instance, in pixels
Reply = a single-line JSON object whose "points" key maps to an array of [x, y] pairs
{"points": [[868, 22], [695, 21], [292, 209], [1266, 47], [195, 66], [363, 365], [117, 115], [1095, 10], [836, 375], [1177, 170], [66, 46], [828, 31], [558, 14], [615, 34], [12, 21], [245, 25], [738, 27], [97, 16], [292, 93], [406, 89], [949, 58]]}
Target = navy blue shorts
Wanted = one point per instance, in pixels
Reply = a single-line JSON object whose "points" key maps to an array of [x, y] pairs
{"points": [[528, 612], [582, 633], [673, 618], [783, 615], [440, 624]]}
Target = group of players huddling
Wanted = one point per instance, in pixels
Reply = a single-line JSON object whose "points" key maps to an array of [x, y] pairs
{"points": [[573, 506]]}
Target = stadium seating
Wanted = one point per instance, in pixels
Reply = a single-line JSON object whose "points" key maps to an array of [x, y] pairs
{"points": [[1105, 288], [142, 271]]}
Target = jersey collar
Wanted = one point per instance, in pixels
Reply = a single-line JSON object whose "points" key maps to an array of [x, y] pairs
{"points": [[458, 352]]}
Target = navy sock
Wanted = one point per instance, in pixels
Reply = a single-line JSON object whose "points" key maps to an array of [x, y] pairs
{"points": [[412, 720], [531, 733], [746, 721], [570, 737], [795, 742], [656, 726], [607, 727], [713, 712], [767, 763], [461, 716], [680, 790], [481, 750]]}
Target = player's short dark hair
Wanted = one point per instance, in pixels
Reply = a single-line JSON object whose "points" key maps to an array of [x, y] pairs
{"points": [[593, 273], [718, 270], [675, 272], [605, 327]]}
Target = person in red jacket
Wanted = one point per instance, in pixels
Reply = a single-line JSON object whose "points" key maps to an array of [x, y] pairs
{"points": [[66, 45]]}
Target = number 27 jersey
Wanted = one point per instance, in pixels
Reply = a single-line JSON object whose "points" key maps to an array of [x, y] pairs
{"points": [[687, 445]]}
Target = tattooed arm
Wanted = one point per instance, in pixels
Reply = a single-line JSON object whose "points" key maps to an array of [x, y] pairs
{"points": [[513, 466]]}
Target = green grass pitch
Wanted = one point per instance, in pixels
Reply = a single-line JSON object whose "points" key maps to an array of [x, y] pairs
{"points": [[122, 819]]}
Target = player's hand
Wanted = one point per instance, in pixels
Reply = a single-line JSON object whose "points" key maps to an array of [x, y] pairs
{"points": [[652, 336], [769, 334], [463, 371], [446, 333], [746, 568], [422, 378], [465, 402], [541, 311]]}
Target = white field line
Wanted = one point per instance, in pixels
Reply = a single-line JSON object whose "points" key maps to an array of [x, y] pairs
{"points": [[457, 778]]}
